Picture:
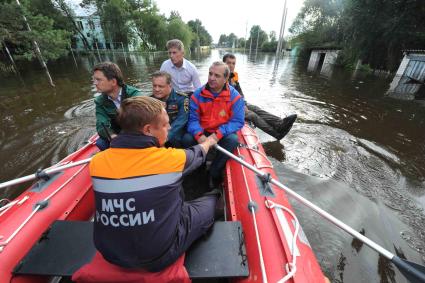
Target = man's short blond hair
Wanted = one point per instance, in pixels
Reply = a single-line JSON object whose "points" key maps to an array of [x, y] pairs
{"points": [[136, 112], [175, 43]]}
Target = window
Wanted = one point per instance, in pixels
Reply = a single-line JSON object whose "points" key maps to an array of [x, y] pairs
{"points": [[80, 25], [91, 24]]}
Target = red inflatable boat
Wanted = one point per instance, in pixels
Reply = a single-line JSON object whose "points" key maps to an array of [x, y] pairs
{"points": [[275, 245], [268, 221], [67, 195]]}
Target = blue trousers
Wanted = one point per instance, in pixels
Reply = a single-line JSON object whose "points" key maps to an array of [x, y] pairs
{"points": [[229, 142], [196, 217]]}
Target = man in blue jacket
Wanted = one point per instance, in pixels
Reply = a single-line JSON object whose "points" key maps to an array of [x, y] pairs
{"points": [[216, 109], [176, 104]]}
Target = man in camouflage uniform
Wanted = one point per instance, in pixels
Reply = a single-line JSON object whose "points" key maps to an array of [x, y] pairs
{"points": [[176, 104]]}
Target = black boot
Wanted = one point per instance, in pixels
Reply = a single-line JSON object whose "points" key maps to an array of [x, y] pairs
{"points": [[286, 126]]}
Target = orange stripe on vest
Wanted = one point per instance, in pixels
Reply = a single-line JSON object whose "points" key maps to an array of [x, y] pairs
{"points": [[118, 163]]}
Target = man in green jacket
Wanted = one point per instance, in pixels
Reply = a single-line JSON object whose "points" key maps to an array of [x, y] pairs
{"points": [[108, 79]]}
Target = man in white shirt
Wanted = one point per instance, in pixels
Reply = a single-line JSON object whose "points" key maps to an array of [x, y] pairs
{"points": [[184, 75]]}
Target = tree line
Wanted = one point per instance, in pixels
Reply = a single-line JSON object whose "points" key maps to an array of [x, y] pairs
{"points": [[258, 40], [375, 32], [53, 25]]}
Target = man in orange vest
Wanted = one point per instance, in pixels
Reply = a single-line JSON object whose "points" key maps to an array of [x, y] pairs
{"points": [[267, 122], [141, 219]]}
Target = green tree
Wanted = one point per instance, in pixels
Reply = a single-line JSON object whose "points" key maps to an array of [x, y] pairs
{"points": [[318, 24], [397, 25], [115, 21], [151, 26], [272, 36], [242, 42], [257, 33], [51, 10], [199, 33], [53, 42], [373, 31], [228, 40], [232, 39], [69, 15], [178, 29], [269, 46], [174, 15], [222, 41]]}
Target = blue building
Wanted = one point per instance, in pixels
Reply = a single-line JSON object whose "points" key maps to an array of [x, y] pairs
{"points": [[89, 25]]}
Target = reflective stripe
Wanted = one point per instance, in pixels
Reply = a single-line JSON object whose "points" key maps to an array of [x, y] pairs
{"points": [[135, 184]]}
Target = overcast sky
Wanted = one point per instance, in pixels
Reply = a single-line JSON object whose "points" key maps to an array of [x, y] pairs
{"points": [[227, 16], [224, 16]]}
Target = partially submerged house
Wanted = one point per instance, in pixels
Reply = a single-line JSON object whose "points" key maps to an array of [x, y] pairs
{"points": [[323, 59], [89, 25], [409, 81]]}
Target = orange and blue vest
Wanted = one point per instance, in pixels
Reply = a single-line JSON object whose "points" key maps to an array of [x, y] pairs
{"points": [[234, 81], [220, 113], [137, 187]]}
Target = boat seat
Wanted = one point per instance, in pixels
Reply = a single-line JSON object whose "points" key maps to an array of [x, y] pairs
{"points": [[68, 245]]}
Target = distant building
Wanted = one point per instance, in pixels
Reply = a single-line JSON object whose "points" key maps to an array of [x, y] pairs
{"points": [[88, 22], [92, 30]]}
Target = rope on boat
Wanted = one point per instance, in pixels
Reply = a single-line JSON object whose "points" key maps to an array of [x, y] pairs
{"points": [[6, 207], [39, 206], [291, 267], [254, 219], [256, 146]]}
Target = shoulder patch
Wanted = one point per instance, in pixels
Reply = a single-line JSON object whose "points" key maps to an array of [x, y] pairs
{"points": [[186, 105], [182, 93]]}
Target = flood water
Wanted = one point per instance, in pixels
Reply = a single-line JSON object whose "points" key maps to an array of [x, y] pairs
{"points": [[354, 151]]}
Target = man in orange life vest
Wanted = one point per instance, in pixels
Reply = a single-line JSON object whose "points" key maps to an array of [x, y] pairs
{"points": [[216, 109], [267, 122], [141, 220]]}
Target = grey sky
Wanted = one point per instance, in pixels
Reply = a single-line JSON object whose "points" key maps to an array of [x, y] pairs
{"points": [[224, 16], [237, 16]]}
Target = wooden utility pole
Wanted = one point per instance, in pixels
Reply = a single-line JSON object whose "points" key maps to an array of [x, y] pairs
{"points": [[246, 34], [97, 49], [37, 50], [258, 37], [72, 52], [282, 27], [283, 31], [125, 56], [15, 68], [197, 35]]}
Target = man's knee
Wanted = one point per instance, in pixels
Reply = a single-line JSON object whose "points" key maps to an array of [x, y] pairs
{"points": [[203, 210], [229, 142]]}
